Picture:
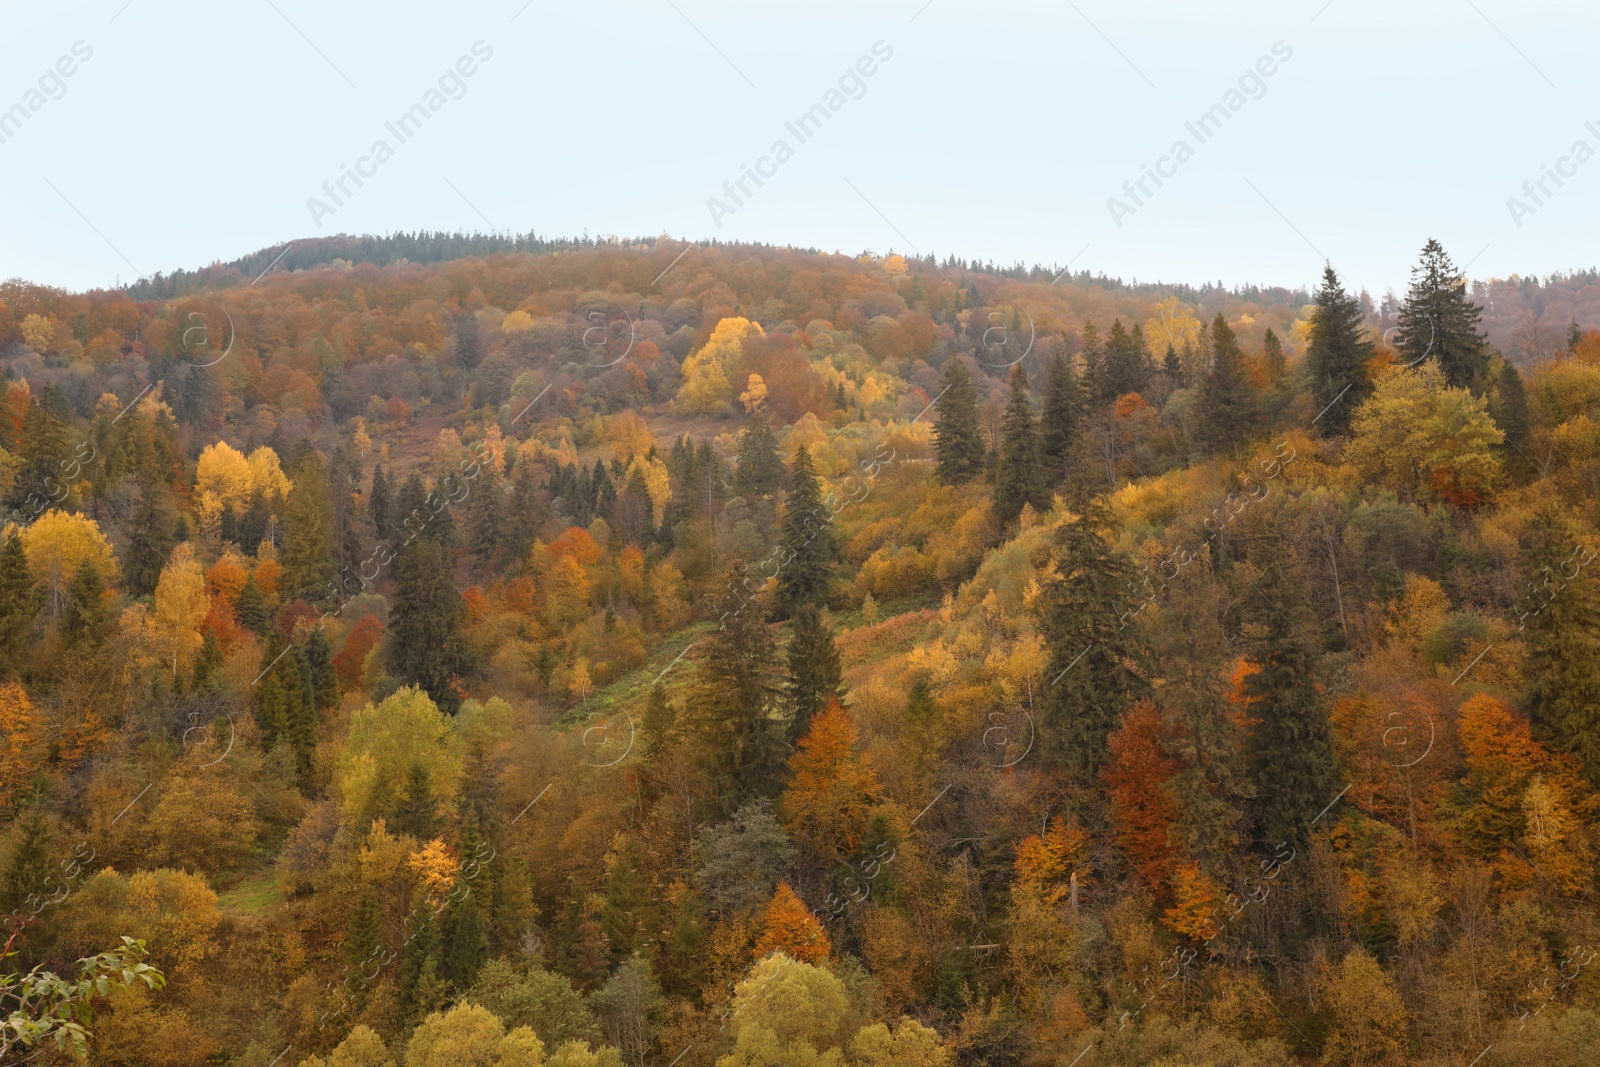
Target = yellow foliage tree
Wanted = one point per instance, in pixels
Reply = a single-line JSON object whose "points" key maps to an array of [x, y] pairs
{"points": [[21, 730], [172, 630], [1195, 900], [1369, 1018], [57, 544], [1424, 439], [708, 373]]}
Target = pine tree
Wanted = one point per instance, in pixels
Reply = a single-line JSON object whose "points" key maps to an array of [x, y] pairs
{"points": [[1097, 661], [46, 448], [19, 605], [318, 659], [364, 933], [251, 607], [1509, 408], [417, 813], [1439, 322], [299, 710], [1574, 335], [1562, 622], [1127, 366], [1018, 481], [732, 699], [759, 469], [1173, 366], [1336, 356], [419, 961], [808, 547], [815, 674], [209, 666], [308, 569], [1272, 360], [150, 540], [425, 646], [1061, 418], [957, 436], [464, 943], [1098, 386], [1291, 752], [1226, 403], [378, 505], [660, 719], [468, 349], [486, 515], [28, 869], [87, 618]]}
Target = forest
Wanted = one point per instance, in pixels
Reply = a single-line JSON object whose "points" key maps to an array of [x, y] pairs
{"points": [[489, 650]]}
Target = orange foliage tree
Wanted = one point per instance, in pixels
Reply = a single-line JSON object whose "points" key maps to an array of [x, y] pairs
{"points": [[788, 926], [831, 790], [1143, 813], [21, 729]]}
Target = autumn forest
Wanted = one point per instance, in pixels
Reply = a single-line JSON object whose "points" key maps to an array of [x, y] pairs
{"points": [[450, 649]]}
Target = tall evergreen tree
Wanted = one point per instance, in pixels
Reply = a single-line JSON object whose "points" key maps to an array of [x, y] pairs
{"points": [[1562, 622], [733, 698], [1574, 335], [1439, 322], [1226, 403], [468, 347], [1291, 751], [425, 646], [1509, 408], [1061, 418], [317, 656], [150, 540], [1173, 366], [46, 448], [1018, 481], [251, 607], [364, 933], [378, 505], [1098, 385], [463, 942], [1127, 365], [809, 549], [87, 619], [486, 515], [660, 719], [815, 673], [957, 436], [418, 813], [1272, 361], [759, 469], [1098, 662], [1336, 356], [19, 606], [29, 869], [308, 569]]}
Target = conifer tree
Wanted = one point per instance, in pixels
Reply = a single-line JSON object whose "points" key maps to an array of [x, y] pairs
{"points": [[1336, 356], [364, 933], [251, 607], [150, 540], [1127, 366], [486, 515], [1574, 335], [1226, 403], [1291, 752], [318, 659], [1439, 322], [209, 666], [378, 505], [1509, 407], [1098, 386], [308, 569], [468, 348], [1097, 660], [957, 436], [463, 942], [1018, 480], [19, 605], [733, 697], [87, 618], [1272, 361], [1562, 628], [29, 868], [417, 813], [46, 448], [809, 551], [1174, 367], [815, 674], [759, 470], [425, 647], [1061, 418], [660, 719]]}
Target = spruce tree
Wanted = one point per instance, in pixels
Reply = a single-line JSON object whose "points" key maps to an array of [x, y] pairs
{"points": [[809, 551], [1018, 481], [425, 646], [364, 933], [1439, 322], [150, 540], [1560, 615], [1098, 386], [733, 697], [1336, 356], [378, 505], [209, 666], [1291, 753], [1574, 335], [486, 515], [19, 605], [815, 673], [1127, 366], [318, 659], [1061, 418], [86, 619], [308, 569], [1226, 403], [417, 813], [29, 868], [759, 470], [957, 436], [46, 448], [463, 942], [251, 608], [1098, 661], [660, 718], [1272, 360], [468, 348], [1173, 366], [1509, 408]]}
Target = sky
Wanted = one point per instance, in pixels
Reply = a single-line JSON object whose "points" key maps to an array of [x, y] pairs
{"points": [[1347, 131]]}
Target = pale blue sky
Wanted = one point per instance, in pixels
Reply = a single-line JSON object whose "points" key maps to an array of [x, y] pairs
{"points": [[197, 131]]}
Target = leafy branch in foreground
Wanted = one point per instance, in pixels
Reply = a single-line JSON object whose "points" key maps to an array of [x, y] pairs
{"points": [[42, 1005]]}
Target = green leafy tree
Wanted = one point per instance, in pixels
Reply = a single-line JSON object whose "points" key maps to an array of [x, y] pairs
{"points": [[957, 436], [1336, 356], [1439, 322], [45, 1010]]}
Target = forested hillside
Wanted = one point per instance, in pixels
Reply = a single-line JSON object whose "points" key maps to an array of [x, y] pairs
{"points": [[450, 649]]}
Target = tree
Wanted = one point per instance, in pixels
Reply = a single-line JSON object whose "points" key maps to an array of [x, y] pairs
{"points": [[787, 1013], [57, 544], [378, 504], [788, 927], [1291, 749], [1369, 1016], [1272, 361], [1127, 366], [1439, 322], [172, 630], [1226, 405], [425, 646], [1562, 621], [534, 998], [361, 1047], [630, 1006], [1061, 417], [486, 516], [1336, 356], [45, 1009], [1097, 662], [22, 735], [470, 1036], [808, 548], [19, 604], [759, 469], [150, 539], [910, 1044], [1509, 406], [87, 618], [957, 436], [308, 569], [1143, 813], [742, 859], [1426, 439], [1018, 482], [251, 609], [386, 741], [468, 349], [732, 698], [831, 789], [815, 673], [464, 943]]}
